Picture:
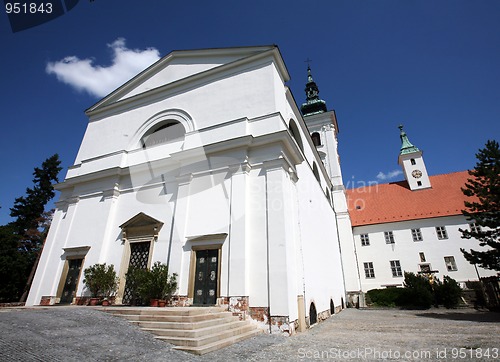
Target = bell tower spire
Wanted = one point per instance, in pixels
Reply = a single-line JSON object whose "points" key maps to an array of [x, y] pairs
{"points": [[411, 160], [313, 103]]}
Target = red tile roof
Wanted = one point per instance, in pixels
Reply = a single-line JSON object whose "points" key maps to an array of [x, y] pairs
{"points": [[394, 201]]}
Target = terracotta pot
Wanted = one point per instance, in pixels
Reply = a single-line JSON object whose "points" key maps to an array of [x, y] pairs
{"points": [[105, 303], [162, 303], [153, 302], [94, 301]]}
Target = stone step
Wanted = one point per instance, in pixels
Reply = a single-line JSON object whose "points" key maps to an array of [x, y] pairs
{"points": [[173, 318], [196, 333], [186, 325], [168, 311], [214, 346], [195, 330], [210, 338]]}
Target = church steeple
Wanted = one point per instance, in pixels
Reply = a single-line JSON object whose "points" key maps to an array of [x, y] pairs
{"points": [[313, 103], [406, 145], [411, 160]]}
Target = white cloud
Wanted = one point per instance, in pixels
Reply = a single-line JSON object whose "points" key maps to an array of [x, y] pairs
{"points": [[99, 81], [389, 175]]}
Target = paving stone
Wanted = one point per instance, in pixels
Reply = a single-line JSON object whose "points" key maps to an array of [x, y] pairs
{"points": [[87, 334]]}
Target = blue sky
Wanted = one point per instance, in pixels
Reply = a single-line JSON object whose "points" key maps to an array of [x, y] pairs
{"points": [[433, 65]]}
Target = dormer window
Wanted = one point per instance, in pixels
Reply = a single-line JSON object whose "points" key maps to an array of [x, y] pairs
{"points": [[166, 132]]}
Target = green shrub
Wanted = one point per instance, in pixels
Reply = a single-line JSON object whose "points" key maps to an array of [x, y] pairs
{"points": [[157, 283], [448, 292], [100, 280], [384, 297], [417, 292]]}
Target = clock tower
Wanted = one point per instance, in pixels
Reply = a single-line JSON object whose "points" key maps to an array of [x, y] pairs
{"points": [[411, 160]]}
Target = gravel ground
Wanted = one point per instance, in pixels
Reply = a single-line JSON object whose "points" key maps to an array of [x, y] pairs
{"points": [[87, 334]]}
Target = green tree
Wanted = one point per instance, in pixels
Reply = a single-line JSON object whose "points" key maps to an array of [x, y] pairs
{"points": [[483, 189], [22, 239], [28, 210]]}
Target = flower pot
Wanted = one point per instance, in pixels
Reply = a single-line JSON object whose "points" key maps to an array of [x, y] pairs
{"points": [[162, 303], [105, 303], [153, 302], [94, 301]]}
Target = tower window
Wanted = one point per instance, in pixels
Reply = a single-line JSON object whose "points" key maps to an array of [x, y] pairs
{"points": [[413, 162], [315, 171], [419, 183], [422, 257], [316, 138], [294, 130]]}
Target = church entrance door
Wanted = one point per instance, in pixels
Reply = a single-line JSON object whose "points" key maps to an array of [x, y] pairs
{"points": [[71, 282], [206, 278], [139, 256]]}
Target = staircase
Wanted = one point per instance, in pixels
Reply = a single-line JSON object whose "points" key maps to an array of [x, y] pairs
{"points": [[190, 329]]}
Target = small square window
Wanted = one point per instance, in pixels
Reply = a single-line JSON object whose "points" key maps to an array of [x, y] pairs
{"points": [[396, 268], [441, 232], [450, 263], [389, 237], [416, 234], [369, 271], [365, 240], [419, 183]]}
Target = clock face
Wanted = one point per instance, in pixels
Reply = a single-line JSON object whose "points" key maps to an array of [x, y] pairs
{"points": [[417, 173]]}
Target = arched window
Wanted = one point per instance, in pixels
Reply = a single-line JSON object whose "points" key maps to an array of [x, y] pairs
{"points": [[313, 315], [316, 138], [166, 132], [315, 171], [412, 161], [294, 130]]}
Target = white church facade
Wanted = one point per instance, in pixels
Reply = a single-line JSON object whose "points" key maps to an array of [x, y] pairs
{"points": [[412, 226], [204, 162]]}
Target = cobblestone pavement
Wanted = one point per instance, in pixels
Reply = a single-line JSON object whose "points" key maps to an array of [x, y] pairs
{"points": [[87, 334]]}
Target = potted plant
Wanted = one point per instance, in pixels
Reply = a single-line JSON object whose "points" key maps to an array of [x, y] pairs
{"points": [[101, 281], [158, 284], [135, 281]]}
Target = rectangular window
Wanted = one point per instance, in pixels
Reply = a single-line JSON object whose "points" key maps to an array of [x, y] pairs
{"points": [[365, 240], [474, 227], [416, 234], [450, 263], [422, 257], [369, 271], [441, 232], [396, 268], [389, 237]]}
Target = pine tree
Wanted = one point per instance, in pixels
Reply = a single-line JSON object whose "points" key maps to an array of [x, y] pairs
{"points": [[29, 210], [484, 207]]}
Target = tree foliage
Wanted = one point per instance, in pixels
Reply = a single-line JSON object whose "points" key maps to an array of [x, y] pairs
{"points": [[483, 189], [21, 240], [30, 220]]}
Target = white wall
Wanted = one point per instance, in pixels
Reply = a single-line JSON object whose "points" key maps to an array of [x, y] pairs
{"points": [[407, 251]]}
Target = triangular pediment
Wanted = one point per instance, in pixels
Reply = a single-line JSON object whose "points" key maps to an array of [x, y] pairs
{"points": [[183, 65], [141, 220]]}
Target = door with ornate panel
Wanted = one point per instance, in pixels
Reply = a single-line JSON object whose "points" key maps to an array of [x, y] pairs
{"points": [[206, 277]]}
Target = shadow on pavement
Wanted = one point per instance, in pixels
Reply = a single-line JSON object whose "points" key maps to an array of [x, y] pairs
{"points": [[473, 316]]}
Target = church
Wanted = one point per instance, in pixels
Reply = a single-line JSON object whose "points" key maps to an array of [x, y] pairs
{"points": [[204, 162]]}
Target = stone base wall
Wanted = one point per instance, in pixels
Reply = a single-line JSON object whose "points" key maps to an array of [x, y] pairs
{"points": [[48, 300], [180, 301]]}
